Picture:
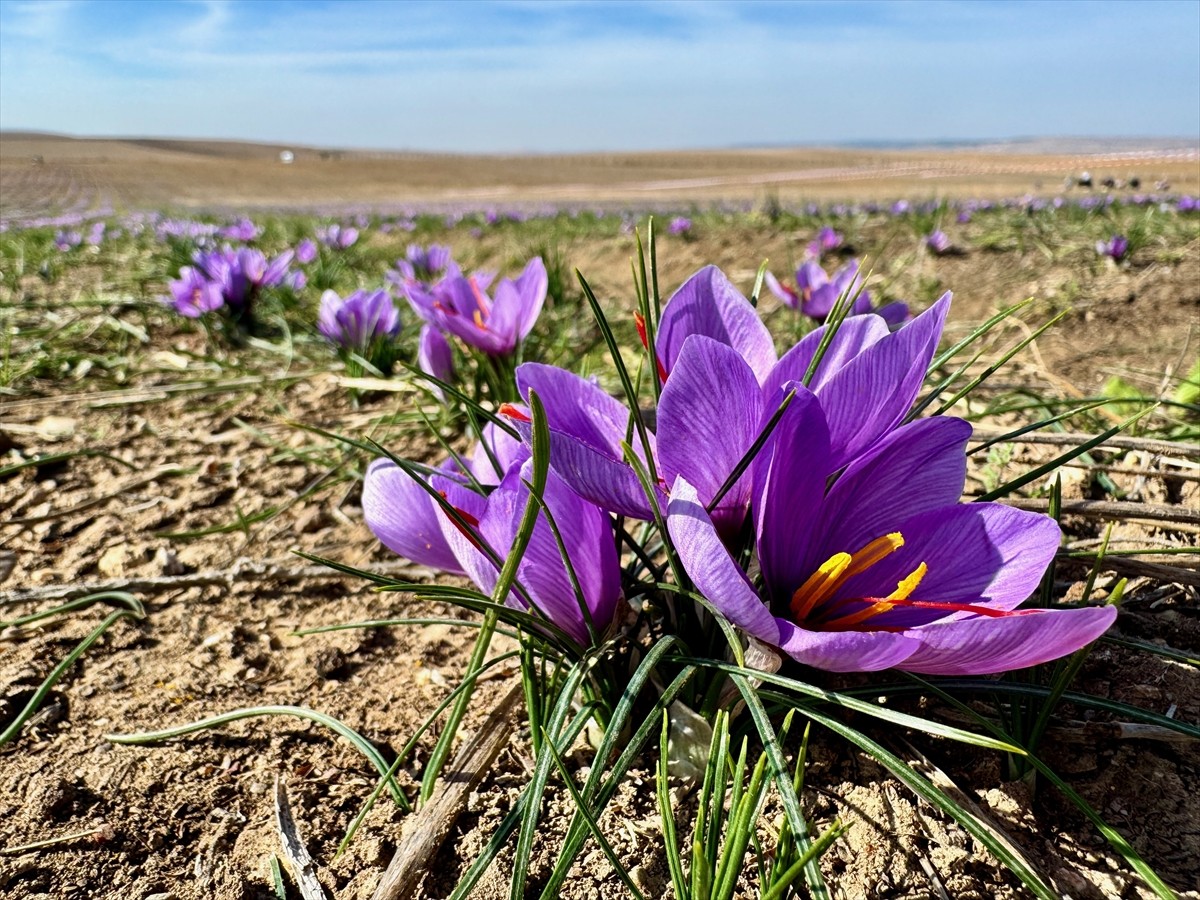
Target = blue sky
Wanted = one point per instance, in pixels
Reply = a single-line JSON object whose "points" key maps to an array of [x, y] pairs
{"points": [[536, 75]]}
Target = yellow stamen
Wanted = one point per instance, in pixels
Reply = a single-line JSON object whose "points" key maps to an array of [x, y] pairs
{"points": [[837, 569], [902, 592], [819, 585], [479, 319], [910, 583], [874, 552]]}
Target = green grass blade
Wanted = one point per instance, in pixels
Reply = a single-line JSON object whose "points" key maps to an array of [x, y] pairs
{"points": [[360, 743]]}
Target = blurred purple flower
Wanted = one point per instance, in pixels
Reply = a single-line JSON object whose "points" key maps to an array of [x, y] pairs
{"points": [[816, 292], [435, 356], [337, 237], [193, 294], [1115, 248], [884, 568], [458, 305], [938, 242], [359, 320], [242, 230], [67, 240], [826, 240], [679, 225], [306, 251], [425, 266]]}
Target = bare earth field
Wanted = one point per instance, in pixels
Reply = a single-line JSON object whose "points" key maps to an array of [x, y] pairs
{"points": [[179, 475], [195, 175]]}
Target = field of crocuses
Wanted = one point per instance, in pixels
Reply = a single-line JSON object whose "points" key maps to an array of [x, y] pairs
{"points": [[838, 550]]}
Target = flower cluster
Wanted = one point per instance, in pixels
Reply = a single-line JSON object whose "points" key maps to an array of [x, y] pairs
{"points": [[227, 280], [801, 467], [362, 325]]}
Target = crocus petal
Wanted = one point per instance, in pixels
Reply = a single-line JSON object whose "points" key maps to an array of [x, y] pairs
{"points": [[975, 553], [712, 569], [870, 395], [327, 322], [587, 427], [709, 414], [506, 452], [405, 518], [845, 651], [532, 285], [709, 304], [587, 538], [981, 645], [919, 467], [782, 291], [789, 484], [434, 355], [855, 335]]}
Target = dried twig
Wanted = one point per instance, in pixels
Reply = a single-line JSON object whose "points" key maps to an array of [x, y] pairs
{"points": [[1111, 509], [1073, 439], [425, 831], [304, 870]]}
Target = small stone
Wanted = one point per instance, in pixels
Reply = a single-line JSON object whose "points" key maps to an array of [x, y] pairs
{"points": [[116, 561]]}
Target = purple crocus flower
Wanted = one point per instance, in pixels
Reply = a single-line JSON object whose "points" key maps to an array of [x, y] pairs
{"points": [[337, 237], [679, 225], [722, 384], [1115, 248], [95, 235], [938, 242], [425, 266], [193, 294], [359, 320], [884, 568], [67, 240], [242, 274], [826, 240], [306, 251], [457, 305], [408, 521], [242, 230], [816, 292]]}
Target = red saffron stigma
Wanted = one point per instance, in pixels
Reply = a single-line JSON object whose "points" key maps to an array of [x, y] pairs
{"points": [[512, 412], [640, 321], [466, 517]]}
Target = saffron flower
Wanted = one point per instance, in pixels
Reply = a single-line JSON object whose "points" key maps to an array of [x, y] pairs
{"points": [[193, 294], [67, 240], [403, 515], [242, 274], [938, 242], [721, 384], [359, 321], [884, 568], [826, 241], [1115, 248], [422, 265], [337, 237], [680, 225], [306, 251], [816, 293], [241, 230], [496, 325]]}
